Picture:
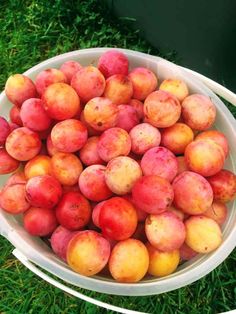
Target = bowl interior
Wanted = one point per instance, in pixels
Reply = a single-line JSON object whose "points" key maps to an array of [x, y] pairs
{"points": [[37, 251]]}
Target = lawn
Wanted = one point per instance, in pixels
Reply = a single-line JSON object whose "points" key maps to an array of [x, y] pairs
{"points": [[32, 31]]}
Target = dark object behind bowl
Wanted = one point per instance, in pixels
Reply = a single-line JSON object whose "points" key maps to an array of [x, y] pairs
{"points": [[203, 33]]}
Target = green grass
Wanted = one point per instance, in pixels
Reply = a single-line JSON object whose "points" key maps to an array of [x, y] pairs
{"points": [[32, 31]]}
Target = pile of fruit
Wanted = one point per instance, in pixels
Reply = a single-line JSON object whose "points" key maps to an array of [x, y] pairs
{"points": [[121, 173]]}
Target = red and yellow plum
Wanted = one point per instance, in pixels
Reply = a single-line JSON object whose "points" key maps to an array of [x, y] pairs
{"points": [[152, 194], [162, 109], [100, 113], [40, 221], [93, 185], [177, 137], [38, 166], [198, 191], [88, 83], [118, 218], [176, 87], [66, 168], [121, 174], [113, 62], [68, 136], [60, 101], [18, 88], [144, 82], [223, 185], [23, 144], [73, 211], [198, 112], [119, 89], [89, 152], [48, 77], [112, 143], [203, 234], [161, 162], [165, 231], [43, 191], [34, 116], [127, 117], [129, 261], [204, 157], [88, 252]]}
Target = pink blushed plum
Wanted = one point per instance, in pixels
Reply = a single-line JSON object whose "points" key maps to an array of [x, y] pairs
{"points": [[119, 89], [127, 117], [204, 157], [165, 231], [144, 82], [69, 68], [7, 163], [40, 221], [4, 130], [60, 101], [100, 113], [161, 162], [143, 137], [73, 211], [176, 87], [34, 116], [18, 88], [138, 105], [217, 212], [198, 112], [198, 190], [23, 144], [48, 77], [88, 83], [223, 185], [162, 109], [12, 198], [113, 62], [217, 137], [118, 218], [88, 252], [60, 240], [43, 191], [177, 137], [112, 143], [15, 116], [121, 174], [89, 152], [93, 185], [152, 194], [68, 136]]}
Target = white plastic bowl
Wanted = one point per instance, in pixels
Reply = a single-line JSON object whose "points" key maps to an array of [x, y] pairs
{"points": [[39, 253]]}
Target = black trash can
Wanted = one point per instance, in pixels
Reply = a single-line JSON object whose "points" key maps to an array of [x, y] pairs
{"points": [[203, 33]]}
